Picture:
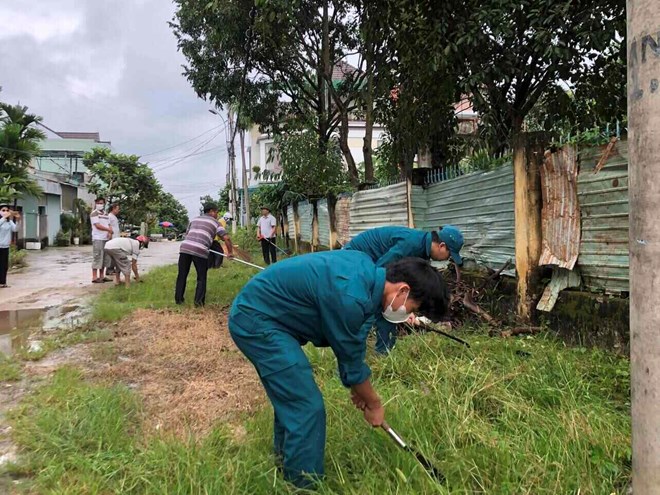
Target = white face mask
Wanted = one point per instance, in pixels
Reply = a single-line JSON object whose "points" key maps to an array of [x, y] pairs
{"points": [[99, 207], [399, 315]]}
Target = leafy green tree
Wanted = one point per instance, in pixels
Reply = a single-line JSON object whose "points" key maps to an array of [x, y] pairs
{"points": [[171, 210], [289, 49], [306, 170], [123, 179], [516, 51], [19, 143]]}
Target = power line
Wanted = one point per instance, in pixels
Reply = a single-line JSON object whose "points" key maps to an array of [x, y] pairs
{"points": [[182, 143]]}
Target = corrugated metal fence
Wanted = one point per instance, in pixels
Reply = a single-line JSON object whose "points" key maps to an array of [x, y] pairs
{"points": [[603, 196], [291, 220], [378, 207], [324, 222], [305, 215], [481, 205]]}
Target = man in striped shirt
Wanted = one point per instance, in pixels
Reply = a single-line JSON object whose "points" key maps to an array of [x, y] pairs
{"points": [[195, 249]]}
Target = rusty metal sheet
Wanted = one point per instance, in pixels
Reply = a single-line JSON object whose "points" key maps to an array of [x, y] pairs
{"points": [[603, 195], [343, 218], [560, 215]]}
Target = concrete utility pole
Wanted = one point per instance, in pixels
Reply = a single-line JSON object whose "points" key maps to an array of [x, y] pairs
{"points": [[246, 185], [232, 173], [644, 190]]}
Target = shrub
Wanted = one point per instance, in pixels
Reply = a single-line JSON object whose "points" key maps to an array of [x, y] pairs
{"points": [[17, 258], [62, 239]]}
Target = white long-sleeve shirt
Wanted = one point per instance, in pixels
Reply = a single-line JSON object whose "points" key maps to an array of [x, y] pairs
{"points": [[7, 227]]}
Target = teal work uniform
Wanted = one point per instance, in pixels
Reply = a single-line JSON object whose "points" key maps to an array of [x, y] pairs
{"points": [[322, 298], [385, 245]]}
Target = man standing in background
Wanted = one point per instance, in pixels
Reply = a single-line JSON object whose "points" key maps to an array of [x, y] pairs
{"points": [[195, 250], [266, 233], [101, 233], [114, 225]]}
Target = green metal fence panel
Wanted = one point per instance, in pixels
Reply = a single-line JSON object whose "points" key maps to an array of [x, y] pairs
{"points": [[481, 205], [378, 207], [324, 222], [604, 211], [305, 214], [291, 221]]}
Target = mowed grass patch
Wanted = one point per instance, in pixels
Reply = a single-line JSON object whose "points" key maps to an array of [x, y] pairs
{"points": [[10, 369], [510, 416], [157, 290]]}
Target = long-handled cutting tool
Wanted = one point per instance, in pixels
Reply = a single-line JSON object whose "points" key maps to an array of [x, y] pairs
{"points": [[277, 247], [237, 259], [432, 471]]}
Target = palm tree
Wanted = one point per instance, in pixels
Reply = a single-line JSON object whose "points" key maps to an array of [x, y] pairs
{"points": [[19, 143]]}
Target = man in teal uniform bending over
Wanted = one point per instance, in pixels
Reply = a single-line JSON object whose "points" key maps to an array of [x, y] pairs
{"points": [[323, 298], [388, 244]]}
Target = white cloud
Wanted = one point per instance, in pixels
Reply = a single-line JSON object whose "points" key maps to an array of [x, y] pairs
{"points": [[34, 20], [113, 67]]}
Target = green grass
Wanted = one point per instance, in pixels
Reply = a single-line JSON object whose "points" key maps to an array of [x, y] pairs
{"points": [[512, 416], [157, 291], [10, 369]]}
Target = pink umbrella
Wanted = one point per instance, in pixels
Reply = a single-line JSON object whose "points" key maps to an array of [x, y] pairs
{"points": [[166, 224]]}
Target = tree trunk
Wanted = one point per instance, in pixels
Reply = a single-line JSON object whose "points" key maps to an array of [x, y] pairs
{"points": [[644, 121], [368, 115], [346, 150], [322, 73], [246, 185]]}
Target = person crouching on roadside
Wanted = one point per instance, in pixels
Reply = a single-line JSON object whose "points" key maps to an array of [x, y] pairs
{"points": [[124, 252]]}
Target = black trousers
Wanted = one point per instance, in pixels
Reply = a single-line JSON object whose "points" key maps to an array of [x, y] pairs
{"points": [[269, 250], [201, 267], [4, 265], [215, 260]]}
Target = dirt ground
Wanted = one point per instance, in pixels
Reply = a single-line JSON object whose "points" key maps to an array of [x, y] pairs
{"points": [[185, 367]]}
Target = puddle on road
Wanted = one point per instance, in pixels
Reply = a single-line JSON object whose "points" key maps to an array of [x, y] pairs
{"points": [[17, 325]]}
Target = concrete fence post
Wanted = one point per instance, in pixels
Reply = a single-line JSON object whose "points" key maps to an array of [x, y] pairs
{"points": [[315, 226], [296, 228], [644, 189], [527, 157]]}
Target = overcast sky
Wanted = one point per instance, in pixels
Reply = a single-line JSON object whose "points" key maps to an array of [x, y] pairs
{"points": [[112, 66]]}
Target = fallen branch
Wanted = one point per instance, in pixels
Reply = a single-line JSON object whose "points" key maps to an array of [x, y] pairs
{"points": [[495, 275], [606, 155], [468, 303]]}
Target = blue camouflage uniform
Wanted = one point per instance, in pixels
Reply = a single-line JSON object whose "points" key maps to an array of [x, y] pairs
{"points": [[385, 245], [322, 298]]}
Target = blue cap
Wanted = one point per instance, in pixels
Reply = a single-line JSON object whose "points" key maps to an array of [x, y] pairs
{"points": [[453, 238]]}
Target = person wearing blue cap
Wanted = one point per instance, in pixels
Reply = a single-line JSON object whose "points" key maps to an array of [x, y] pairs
{"points": [[385, 245], [324, 299]]}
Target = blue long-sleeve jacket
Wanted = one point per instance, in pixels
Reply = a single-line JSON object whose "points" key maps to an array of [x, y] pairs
{"points": [[322, 298], [386, 245]]}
